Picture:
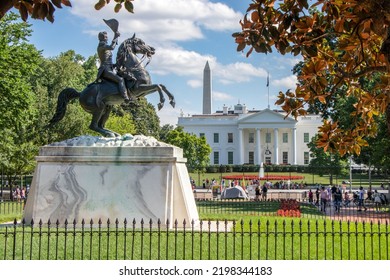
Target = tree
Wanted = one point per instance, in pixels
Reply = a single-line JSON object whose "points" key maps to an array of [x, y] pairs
{"points": [[68, 69], [165, 129], [44, 9], [145, 118], [342, 44], [195, 149], [325, 162], [18, 61], [122, 124]]}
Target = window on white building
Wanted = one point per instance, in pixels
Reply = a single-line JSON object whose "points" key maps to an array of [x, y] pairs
{"points": [[306, 138], [267, 160], [230, 137], [201, 134], [251, 158], [216, 157], [285, 157], [251, 137], [306, 158], [285, 137], [230, 157], [268, 137], [216, 137]]}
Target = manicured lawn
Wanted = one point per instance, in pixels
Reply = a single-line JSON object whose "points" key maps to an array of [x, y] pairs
{"points": [[228, 232]]}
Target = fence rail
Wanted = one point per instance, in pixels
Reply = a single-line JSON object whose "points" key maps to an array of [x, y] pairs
{"points": [[270, 207], [286, 239], [11, 207], [348, 235]]}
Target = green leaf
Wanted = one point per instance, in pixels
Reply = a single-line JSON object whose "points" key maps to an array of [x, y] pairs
{"points": [[129, 6]]}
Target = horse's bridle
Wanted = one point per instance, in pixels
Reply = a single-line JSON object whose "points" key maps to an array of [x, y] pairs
{"points": [[146, 52]]}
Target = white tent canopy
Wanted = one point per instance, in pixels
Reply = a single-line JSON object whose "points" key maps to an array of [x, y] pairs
{"points": [[234, 192]]}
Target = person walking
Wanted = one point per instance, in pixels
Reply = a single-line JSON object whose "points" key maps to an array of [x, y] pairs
{"points": [[338, 197], [318, 197], [310, 197], [377, 201], [361, 200], [324, 198]]}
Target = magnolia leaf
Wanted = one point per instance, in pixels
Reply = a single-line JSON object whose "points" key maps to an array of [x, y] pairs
{"points": [[66, 3], [100, 4], [23, 11], [117, 8], [129, 6], [364, 36], [322, 99], [241, 47], [57, 3], [249, 52]]}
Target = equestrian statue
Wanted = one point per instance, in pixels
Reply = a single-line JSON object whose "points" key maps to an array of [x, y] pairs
{"points": [[118, 83]]}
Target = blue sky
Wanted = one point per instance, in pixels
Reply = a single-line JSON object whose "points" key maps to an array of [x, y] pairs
{"points": [[185, 34]]}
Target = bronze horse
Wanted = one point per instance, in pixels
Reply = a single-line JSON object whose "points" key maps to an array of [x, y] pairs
{"points": [[99, 97]]}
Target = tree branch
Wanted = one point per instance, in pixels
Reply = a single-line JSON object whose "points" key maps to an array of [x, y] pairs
{"points": [[363, 72], [5, 6]]}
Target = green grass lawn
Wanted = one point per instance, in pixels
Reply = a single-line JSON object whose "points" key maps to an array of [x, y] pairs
{"points": [[228, 232]]}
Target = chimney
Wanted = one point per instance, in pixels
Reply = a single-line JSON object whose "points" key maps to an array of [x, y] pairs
{"points": [[225, 109]]}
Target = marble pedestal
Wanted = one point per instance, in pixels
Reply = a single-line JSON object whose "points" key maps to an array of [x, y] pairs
{"points": [[104, 178]]}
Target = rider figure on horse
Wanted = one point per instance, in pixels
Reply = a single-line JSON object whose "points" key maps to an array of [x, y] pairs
{"points": [[106, 69]]}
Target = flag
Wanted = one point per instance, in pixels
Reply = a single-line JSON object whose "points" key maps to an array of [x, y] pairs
{"points": [[267, 79]]}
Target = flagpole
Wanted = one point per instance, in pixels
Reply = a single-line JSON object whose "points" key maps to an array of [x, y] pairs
{"points": [[268, 88]]}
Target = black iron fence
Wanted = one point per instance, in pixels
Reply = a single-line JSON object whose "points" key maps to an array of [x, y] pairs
{"points": [[271, 239], [270, 207], [10, 207], [254, 230]]}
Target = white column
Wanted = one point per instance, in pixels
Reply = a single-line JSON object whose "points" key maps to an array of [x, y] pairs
{"points": [[294, 143], [258, 145], [241, 145], [276, 146]]}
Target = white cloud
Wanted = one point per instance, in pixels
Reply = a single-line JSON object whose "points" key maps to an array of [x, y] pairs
{"points": [[238, 72], [286, 82], [195, 83], [168, 115], [182, 62], [175, 60], [164, 24], [163, 21], [221, 96]]}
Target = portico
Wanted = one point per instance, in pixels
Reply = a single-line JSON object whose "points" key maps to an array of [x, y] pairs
{"points": [[274, 138]]}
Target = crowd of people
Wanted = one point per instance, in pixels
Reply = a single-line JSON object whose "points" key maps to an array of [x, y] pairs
{"points": [[338, 197], [17, 193]]}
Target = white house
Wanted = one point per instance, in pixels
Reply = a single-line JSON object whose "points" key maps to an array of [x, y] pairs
{"points": [[241, 136]]}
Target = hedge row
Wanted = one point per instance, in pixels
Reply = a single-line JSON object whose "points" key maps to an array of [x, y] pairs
{"points": [[256, 168]]}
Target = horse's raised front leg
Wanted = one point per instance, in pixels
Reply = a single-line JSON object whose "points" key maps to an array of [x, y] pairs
{"points": [[170, 96], [143, 90]]}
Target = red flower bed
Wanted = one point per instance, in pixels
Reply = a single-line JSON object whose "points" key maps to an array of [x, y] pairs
{"points": [[267, 177], [289, 213], [289, 208]]}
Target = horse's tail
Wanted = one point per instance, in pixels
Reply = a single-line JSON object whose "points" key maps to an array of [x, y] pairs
{"points": [[64, 98]]}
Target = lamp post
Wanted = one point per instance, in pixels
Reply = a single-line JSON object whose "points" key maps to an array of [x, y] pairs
{"points": [[350, 174], [220, 170], [369, 171], [2, 182]]}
